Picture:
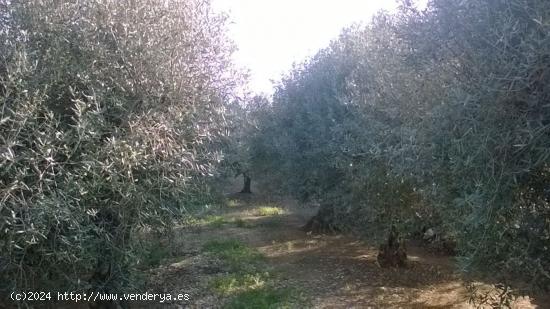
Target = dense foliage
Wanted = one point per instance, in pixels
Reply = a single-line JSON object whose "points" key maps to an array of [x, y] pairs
{"points": [[436, 117], [110, 114]]}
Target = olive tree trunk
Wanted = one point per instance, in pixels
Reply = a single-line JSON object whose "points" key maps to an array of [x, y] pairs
{"points": [[322, 222], [246, 184], [392, 253]]}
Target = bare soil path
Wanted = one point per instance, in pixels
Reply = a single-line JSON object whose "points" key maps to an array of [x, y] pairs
{"points": [[330, 271]]}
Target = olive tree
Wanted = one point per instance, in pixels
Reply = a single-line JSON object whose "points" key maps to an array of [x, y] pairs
{"points": [[110, 116], [432, 117]]}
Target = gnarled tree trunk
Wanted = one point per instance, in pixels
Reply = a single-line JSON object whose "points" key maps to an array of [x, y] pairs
{"points": [[322, 222], [246, 184], [393, 252]]}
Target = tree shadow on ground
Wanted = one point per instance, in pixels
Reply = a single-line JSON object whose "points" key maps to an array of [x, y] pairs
{"points": [[334, 271]]}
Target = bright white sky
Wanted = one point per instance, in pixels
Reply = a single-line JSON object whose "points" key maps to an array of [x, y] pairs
{"points": [[273, 34]]}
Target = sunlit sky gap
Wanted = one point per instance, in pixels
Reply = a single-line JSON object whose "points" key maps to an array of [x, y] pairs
{"points": [[273, 34]]}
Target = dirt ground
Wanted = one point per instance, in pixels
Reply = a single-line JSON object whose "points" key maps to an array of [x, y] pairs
{"points": [[331, 271]]}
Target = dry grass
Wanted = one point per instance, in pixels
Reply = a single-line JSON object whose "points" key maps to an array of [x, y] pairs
{"points": [[265, 211]]}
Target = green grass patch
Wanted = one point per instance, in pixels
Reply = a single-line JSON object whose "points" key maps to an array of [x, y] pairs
{"points": [[265, 297], [234, 253], [239, 282], [214, 221], [269, 211], [249, 282]]}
